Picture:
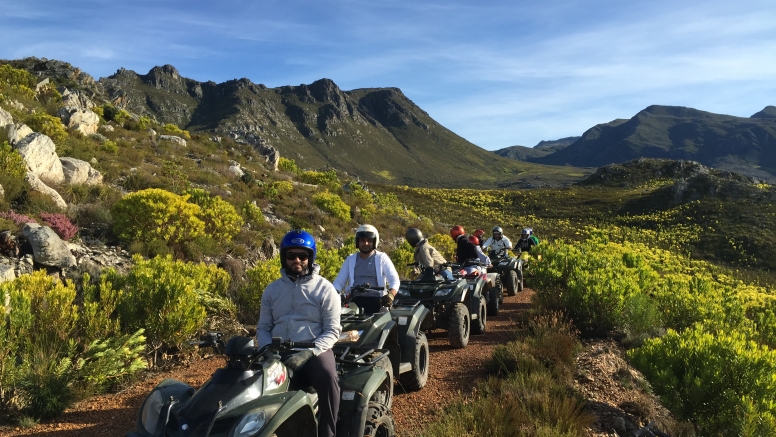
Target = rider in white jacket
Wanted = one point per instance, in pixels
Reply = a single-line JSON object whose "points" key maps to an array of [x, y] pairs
{"points": [[498, 241], [368, 265]]}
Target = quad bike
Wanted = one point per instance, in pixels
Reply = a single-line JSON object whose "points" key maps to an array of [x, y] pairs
{"points": [[254, 395], [510, 268], [396, 329], [458, 306]]}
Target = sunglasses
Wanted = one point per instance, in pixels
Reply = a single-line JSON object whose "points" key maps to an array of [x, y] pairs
{"points": [[290, 256]]}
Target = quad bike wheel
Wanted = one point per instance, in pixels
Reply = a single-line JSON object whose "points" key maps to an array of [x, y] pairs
{"points": [[479, 325], [511, 283], [384, 394], [459, 326], [416, 379], [379, 422], [520, 285], [495, 296]]}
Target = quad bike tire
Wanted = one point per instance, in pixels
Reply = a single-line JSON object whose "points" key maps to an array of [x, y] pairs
{"points": [[379, 422], [479, 325], [495, 296], [511, 283], [459, 326], [384, 394], [416, 378], [520, 284]]}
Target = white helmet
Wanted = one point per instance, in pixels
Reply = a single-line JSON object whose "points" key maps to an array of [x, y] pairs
{"points": [[368, 231], [526, 232]]}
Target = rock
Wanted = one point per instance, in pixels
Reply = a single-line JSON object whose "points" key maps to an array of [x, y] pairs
{"points": [[7, 273], [47, 248], [107, 128], [76, 99], [37, 185], [151, 131], [8, 244], [18, 132], [236, 171], [175, 139], [40, 154], [99, 137], [80, 172], [268, 248], [2, 192], [5, 118], [15, 104], [82, 120]]}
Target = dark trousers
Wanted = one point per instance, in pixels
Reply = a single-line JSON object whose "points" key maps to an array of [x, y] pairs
{"points": [[321, 373]]}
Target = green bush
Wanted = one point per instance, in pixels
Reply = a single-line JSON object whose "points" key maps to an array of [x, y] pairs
{"points": [[167, 298], [222, 222], [249, 296], [48, 125], [401, 256], [332, 204], [156, 215], [289, 165], [175, 130], [710, 378], [12, 177], [326, 179]]}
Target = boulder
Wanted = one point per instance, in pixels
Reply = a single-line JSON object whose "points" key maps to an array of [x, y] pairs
{"points": [[5, 118], [2, 192], [80, 172], [18, 132], [175, 139], [107, 128], [82, 120], [47, 248], [7, 273], [40, 154], [37, 185], [236, 171], [76, 99]]}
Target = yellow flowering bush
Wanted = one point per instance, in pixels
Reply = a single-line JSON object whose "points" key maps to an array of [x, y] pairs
{"points": [[332, 204], [157, 215]]}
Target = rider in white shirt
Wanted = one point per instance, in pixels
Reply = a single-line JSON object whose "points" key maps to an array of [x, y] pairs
{"points": [[498, 241]]}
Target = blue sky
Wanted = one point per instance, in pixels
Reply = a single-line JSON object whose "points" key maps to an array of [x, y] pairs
{"points": [[498, 73]]}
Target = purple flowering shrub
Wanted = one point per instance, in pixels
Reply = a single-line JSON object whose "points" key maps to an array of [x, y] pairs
{"points": [[19, 219], [60, 224]]}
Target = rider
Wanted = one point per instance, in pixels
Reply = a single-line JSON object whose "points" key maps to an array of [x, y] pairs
{"points": [[526, 242], [303, 306], [465, 249], [369, 266], [498, 241], [480, 234], [426, 255], [485, 259]]}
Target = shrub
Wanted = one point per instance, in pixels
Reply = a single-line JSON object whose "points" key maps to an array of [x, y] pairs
{"points": [[156, 214], [252, 214], [175, 130], [10, 76], [112, 113], [332, 204], [444, 244], [709, 378], [167, 298], [289, 165], [60, 224], [221, 220], [249, 296], [110, 147], [401, 256], [327, 179], [14, 171], [48, 125], [19, 219]]}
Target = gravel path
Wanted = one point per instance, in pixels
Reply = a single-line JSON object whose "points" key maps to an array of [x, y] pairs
{"points": [[452, 371]]}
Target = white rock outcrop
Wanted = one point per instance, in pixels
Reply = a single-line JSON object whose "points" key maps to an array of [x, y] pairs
{"points": [[81, 120], [17, 132], [236, 171], [175, 139], [7, 273], [40, 154], [37, 185], [80, 172], [76, 99], [47, 248], [5, 118]]}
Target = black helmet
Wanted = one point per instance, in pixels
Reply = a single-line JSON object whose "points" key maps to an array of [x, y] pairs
{"points": [[413, 236]]}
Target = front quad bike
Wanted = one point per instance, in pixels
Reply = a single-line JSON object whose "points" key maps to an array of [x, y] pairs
{"points": [[372, 326], [254, 396], [510, 268], [457, 306]]}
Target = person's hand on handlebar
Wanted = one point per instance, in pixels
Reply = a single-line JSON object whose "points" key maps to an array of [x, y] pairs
{"points": [[298, 360]]}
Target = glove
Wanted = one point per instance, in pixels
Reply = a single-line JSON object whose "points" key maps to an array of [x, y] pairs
{"points": [[296, 361], [387, 300]]}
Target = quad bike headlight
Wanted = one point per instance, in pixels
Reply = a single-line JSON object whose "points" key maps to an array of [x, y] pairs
{"points": [[151, 410], [252, 423], [403, 292], [444, 291]]}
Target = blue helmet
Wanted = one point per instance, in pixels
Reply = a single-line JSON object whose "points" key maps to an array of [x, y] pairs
{"points": [[297, 238]]}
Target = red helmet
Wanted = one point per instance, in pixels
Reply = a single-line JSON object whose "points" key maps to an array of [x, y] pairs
{"points": [[456, 231], [474, 240], [479, 233]]}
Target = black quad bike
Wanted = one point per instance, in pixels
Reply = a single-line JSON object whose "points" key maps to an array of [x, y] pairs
{"points": [[254, 395], [458, 306], [510, 268], [397, 329]]}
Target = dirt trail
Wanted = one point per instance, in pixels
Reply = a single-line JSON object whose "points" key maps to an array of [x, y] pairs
{"points": [[452, 371]]}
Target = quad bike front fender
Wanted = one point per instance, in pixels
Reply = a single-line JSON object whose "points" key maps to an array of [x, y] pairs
{"points": [[169, 389], [297, 413]]}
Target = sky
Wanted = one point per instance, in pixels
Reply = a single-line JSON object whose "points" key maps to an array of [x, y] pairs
{"points": [[498, 73]]}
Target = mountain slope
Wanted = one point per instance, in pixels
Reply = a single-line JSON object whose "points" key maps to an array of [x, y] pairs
{"points": [[746, 145], [543, 148]]}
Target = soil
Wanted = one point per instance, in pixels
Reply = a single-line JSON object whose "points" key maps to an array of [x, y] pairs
{"points": [[602, 378]]}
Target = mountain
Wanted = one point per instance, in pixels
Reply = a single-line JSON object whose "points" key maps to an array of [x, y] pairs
{"points": [[740, 144], [543, 148]]}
